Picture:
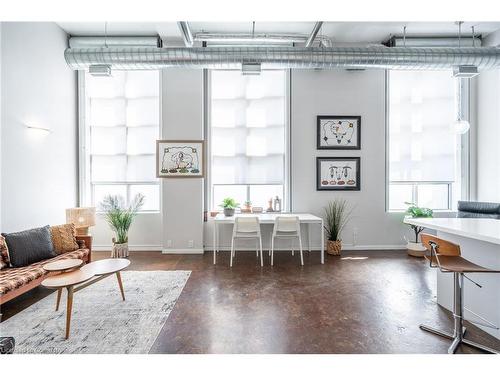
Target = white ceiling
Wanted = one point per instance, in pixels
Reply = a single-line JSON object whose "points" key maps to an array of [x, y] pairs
{"points": [[342, 32]]}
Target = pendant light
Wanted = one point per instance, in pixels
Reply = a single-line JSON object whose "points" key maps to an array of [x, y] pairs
{"points": [[461, 125]]}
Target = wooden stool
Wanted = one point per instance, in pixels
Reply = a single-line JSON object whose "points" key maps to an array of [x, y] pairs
{"points": [[446, 256]]}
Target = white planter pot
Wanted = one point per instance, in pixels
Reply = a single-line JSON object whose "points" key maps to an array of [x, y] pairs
{"points": [[120, 250], [416, 249]]}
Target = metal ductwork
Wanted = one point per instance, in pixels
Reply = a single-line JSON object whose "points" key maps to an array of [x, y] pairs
{"points": [[284, 57], [114, 41]]}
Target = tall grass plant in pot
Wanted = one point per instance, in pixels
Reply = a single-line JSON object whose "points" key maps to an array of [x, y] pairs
{"points": [[337, 215], [119, 218]]}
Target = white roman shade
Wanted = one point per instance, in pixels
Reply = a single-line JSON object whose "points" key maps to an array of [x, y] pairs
{"points": [[422, 146], [248, 127], [122, 126]]}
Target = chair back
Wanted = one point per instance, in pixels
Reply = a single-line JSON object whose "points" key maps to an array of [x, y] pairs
{"points": [[249, 224], [443, 247], [287, 224]]}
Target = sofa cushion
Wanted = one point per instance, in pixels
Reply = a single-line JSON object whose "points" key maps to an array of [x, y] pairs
{"points": [[63, 238], [4, 254], [471, 209], [29, 246], [13, 278]]}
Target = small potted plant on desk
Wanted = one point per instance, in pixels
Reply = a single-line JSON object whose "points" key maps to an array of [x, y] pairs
{"points": [[119, 219], [229, 205], [415, 248], [337, 215], [247, 207]]}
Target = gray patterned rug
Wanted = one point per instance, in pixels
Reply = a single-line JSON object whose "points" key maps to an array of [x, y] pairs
{"points": [[101, 321]]}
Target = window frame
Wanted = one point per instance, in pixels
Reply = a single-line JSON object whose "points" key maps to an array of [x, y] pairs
{"points": [[85, 185], [464, 152], [209, 187]]}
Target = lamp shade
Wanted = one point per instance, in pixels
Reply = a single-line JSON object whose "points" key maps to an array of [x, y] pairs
{"points": [[82, 217]]}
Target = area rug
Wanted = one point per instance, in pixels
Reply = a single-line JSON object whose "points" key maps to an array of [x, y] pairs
{"points": [[101, 322]]}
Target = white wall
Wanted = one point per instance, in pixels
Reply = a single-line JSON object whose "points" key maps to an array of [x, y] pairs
{"points": [[488, 134], [1, 124], [39, 171], [182, 118], [344, 93]]}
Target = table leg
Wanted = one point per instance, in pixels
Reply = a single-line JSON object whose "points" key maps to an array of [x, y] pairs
{"points": [[58, 300], [322, 243], [215, 241], [309, 237], [69, 307], [119, 277]]}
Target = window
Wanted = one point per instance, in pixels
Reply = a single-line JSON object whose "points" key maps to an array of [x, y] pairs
{"points": [[248, 136], [424, 155], [121, 126]]}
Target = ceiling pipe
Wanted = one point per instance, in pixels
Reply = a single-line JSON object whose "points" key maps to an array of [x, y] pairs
{"points": [[187, 35], [257, 38], [313, 34], [408, 58]]}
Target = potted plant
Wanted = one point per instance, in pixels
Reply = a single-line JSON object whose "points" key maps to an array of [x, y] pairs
{"points": [[119, 219], [337, 215], [229, 205], [247, 207], [415, 248]]}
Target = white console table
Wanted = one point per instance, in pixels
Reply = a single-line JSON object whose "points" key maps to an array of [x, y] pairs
{"points": [[268, 219], [479, 241]]}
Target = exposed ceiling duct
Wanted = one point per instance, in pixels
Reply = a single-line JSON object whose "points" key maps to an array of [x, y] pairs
{"points": [[281, 57], [114, 41]]}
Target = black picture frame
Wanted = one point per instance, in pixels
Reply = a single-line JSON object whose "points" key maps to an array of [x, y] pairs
{"points": [[320, 146], [320, 186]]}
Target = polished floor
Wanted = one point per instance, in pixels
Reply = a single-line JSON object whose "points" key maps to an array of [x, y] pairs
{"points": [[361, 302]]}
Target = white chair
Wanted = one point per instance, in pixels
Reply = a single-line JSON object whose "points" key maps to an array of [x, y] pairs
{"points": [[247, 228], [286, 227]]}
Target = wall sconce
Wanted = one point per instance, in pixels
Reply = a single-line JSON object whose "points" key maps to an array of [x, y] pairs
{"points": [[40, 129]]}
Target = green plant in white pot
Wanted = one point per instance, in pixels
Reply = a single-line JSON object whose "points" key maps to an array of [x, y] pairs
{"points": [[229, 205], [415, 248], [337, 215], [119, 218]]}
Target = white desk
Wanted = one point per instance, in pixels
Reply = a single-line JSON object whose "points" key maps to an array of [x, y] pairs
{"points": [[269, 218], [479, 241]]}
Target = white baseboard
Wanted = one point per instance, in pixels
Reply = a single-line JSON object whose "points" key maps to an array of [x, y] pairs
{"points": [[374, 247], [345, 247], [131, 248], [182, 251], [317, 248]]}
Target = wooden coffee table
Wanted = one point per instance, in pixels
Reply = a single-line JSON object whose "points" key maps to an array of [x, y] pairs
{"points": [[75, 279]]}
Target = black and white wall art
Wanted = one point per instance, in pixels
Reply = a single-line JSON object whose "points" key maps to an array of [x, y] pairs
{"points": [[338, 132], [338, 173], [179, 159]]}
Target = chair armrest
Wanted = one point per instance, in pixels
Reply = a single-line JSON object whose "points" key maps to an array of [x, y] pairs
{"points": [[88, 243]]}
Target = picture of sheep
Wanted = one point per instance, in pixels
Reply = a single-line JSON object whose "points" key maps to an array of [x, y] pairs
{"points": [[180, 158]]}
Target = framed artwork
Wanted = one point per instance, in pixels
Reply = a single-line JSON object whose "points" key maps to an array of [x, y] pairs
{"points": [[180, 159], [338, 173], [338, 132]]}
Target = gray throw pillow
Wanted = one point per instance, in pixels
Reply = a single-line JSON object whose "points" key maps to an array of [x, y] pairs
{"points": [[29, 246]]}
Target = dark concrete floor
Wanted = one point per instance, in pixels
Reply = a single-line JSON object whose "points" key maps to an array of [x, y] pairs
{"points": [[361, 302]]}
